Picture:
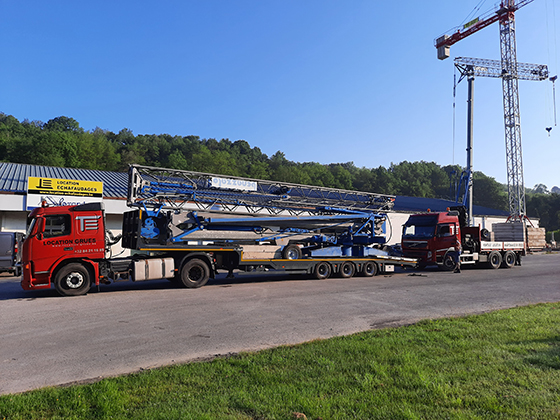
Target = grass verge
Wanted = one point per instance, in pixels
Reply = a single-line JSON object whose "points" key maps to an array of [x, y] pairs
{"points": [[500, 365]]}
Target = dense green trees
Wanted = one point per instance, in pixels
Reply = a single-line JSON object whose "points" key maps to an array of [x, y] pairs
{"points": [[62, 142], [547, 208], [59, 142]]}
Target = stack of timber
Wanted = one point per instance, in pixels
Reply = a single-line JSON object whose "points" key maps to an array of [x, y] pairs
{"points": [[509, 232], [536, 238]]}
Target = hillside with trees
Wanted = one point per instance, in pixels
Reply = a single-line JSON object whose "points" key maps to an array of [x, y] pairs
{"points": [[62, 142]]}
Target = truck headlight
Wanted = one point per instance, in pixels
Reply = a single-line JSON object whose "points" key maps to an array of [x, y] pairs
{"points": [[429, 254]]}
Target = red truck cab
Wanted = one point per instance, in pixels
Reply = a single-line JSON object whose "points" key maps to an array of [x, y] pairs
{"points": [[429, 236], [59, 237]]}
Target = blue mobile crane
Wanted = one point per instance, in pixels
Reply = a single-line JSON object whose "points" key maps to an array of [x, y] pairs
{"points": [[210, 222]]}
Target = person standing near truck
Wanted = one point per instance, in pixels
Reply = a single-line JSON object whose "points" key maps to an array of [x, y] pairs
{"points": [[455, 253]]}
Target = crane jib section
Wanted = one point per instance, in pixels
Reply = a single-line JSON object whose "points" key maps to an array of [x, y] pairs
{"points": [[153, 188], [179, 206]]}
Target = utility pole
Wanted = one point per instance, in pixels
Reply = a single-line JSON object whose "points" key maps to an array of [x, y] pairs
{"points": [[467, 70]]}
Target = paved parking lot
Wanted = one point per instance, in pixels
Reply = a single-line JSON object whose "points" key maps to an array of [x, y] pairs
{"points": [[51, 340]]}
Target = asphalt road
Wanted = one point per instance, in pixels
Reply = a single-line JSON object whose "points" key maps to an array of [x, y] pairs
{"points": [[49, 340]]}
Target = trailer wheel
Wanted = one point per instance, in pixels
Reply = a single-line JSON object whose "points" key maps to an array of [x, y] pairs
{"points": [[448, 262], [494, 259], [195, 273], [323, 270], [508, 260], [369, 269], [72, 280], [347, 270], [291, 252]]}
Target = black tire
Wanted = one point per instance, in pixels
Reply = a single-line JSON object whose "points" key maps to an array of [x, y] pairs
{"points": [[369, 269], [508, 260], [195, 273], [347, 270], [485, 235], [291, 252], [323, 270], [494, 260], [448, 262], [73, 280]]}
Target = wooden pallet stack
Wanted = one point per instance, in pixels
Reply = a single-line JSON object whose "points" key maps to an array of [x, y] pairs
{"points": [[536, 238]]}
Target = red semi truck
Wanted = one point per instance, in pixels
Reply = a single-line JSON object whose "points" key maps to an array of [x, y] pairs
{"points": [[430, 237], [64, 245], [67, 245]]}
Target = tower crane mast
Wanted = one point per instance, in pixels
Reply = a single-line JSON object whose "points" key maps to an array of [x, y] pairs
{"points": [[505, 15]]}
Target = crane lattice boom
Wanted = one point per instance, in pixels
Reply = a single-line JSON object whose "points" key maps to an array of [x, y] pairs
{"points": [[156, 188], [493, 68]]}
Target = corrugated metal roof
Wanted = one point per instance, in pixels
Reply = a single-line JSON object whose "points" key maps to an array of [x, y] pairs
{"points": [[13, 178], [420, 204]]}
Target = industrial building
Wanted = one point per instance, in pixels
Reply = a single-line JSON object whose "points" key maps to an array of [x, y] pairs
{"points": [[16, 200]]}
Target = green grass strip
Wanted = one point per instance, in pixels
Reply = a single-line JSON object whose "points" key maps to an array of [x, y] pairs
{"points": [[500, 365]]}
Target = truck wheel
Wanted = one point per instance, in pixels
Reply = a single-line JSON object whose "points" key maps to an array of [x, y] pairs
{"points": [[508, 259], [195, 273], [291, 252], [448, 263], [323, 270], [347, 270], [494, 259], [72, 280], [369, 269]]}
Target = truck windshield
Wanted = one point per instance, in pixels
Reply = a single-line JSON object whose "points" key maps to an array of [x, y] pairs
{"points": [[30, 227], [420, 227]]}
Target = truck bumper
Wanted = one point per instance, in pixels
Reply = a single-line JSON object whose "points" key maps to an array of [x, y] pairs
{"points": [[424, 257], [29, 282]]}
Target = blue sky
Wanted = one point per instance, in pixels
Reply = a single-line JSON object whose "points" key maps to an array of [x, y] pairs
{"points": [[321, 80]]}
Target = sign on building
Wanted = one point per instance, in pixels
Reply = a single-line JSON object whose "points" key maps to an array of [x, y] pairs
{"points": [[62, 192]]}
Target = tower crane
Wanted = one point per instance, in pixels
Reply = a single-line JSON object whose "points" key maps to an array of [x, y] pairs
{"points": [[509, 73]]}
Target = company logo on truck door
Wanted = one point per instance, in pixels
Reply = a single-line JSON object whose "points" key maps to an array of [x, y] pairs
{"points": [[88, 222]]}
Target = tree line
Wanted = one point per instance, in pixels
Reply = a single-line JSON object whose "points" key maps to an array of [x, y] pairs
{"points": [[62, 142]]}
